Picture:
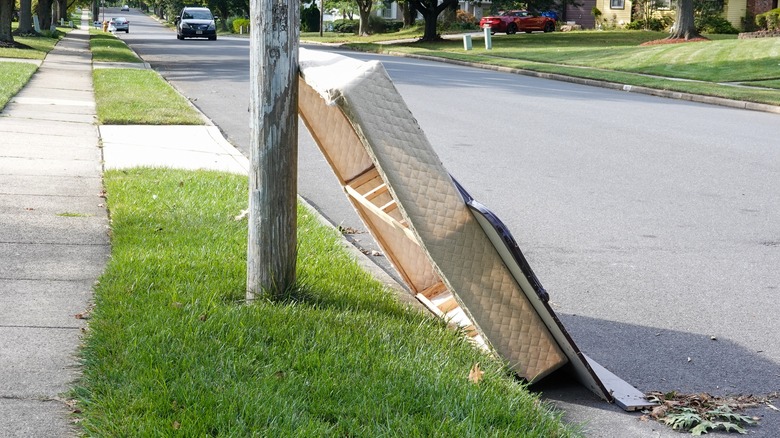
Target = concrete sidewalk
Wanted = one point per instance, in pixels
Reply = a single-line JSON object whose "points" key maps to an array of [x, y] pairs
{"points": [[54, 241], [53, 238]]}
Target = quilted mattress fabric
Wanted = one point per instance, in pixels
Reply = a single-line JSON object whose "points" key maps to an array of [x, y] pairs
{"points": [[455, 243]]}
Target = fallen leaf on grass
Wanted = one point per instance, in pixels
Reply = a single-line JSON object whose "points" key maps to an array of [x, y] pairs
{"points": [[242, 215], [475, 374], [176, 425]]}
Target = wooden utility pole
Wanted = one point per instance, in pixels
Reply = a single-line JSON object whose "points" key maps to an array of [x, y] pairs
{"points": [[274, 147]]}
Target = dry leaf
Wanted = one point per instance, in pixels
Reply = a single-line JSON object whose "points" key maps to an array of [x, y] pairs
{"points": [[176, 425], [475, 374], [242, 215], [203, 317], [659, 411], [772, 407]]}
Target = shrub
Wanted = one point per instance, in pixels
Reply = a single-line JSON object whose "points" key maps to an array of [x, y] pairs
{"points": [[378, 24], [713, 24], [749, 23], [464, 20], [346, 26], [761, 21], [654, 24], [772, 21], [769, 20], [238, 23], [310, 19], [466, 17]]}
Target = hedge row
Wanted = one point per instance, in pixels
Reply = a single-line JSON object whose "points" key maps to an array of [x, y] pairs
{"points": [[769, 20]]}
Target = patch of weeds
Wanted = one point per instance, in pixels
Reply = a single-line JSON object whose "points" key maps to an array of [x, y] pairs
{"points": [[71, 214], [702, 413]]}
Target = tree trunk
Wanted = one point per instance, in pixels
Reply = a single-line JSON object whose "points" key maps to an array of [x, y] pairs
{"points": [[6, 14], [95, 10], [224, 13], [272, 246], [407, 12], [684, 26], [364, 10], [25, 18], [44, 14], [430, 11], [63, 14], [430, 33]]}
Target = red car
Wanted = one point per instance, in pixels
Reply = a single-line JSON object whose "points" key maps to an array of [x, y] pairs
{"points": [[513, 21]]}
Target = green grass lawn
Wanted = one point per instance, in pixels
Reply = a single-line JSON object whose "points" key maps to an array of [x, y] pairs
{"points": [[334, 37], [173, 350], [13, 76], [126, 96], [618, 57], [36, 47], [768, 84]]}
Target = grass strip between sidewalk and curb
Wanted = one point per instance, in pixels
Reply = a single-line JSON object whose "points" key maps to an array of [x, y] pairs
{"points": [[106, 47], [139, 97], [130, 96], [173, 349]]}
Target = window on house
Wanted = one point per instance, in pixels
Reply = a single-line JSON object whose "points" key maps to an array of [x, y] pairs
{"points": [[617, 4], [663, 4]]}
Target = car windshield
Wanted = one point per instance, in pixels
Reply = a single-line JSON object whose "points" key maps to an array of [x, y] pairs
{"points": [[197, 15]]}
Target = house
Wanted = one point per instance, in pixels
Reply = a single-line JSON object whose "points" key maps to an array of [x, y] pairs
{"points": [[617, 12], [613, 12], [755, 7]]}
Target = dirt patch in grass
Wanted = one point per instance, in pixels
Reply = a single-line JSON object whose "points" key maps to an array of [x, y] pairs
{"points": [[674, 41]]}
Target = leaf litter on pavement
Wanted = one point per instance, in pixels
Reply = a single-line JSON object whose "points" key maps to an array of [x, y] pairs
{"points": [[702, 412]]}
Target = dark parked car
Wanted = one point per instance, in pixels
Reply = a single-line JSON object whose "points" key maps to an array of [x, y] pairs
{"points": [[196, 23], [119, 24], [513, 21]]}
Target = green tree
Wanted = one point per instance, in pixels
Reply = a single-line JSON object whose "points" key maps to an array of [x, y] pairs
{"points": [[346, 8], [430, 10]]}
